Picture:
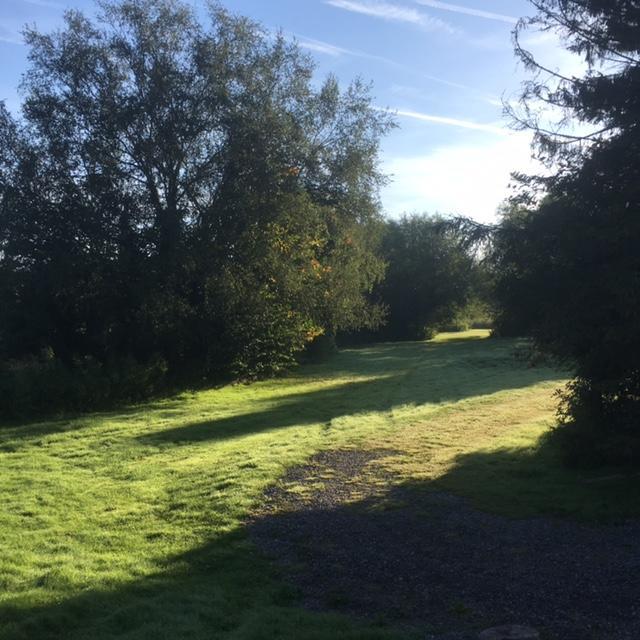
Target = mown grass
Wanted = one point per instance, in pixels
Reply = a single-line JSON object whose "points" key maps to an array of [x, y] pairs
{"points": [[130, 524]]}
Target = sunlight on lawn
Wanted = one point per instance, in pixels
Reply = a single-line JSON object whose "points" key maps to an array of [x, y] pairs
{"points": [[130, 523]]}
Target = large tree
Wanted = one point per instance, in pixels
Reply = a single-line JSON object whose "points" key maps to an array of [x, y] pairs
{"points": [[567, 252], [182, 190], [431, 278]]}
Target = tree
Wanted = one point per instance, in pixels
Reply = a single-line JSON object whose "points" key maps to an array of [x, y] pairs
{"points": [[431, 278], [567, 254], [180, 190]]}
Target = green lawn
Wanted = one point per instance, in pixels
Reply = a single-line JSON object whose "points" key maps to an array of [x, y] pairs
{"points": [[129, 524]]}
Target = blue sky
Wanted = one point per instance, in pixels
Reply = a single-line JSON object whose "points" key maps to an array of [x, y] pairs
{"points": [[442, 66]]}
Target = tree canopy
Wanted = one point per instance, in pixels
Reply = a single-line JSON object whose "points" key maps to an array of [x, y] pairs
{"points": [[431, 278], [181, 191]]}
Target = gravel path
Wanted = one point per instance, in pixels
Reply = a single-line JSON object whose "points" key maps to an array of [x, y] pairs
{"points": [[421, 558]]}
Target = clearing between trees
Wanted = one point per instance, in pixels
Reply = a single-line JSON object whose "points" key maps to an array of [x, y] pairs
{"points": [[391, 492]]}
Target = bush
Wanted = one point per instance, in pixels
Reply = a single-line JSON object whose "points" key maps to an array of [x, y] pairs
{"points": [[600, 424], [46, 385], [429, 333], [321, 349], [476, 314]]}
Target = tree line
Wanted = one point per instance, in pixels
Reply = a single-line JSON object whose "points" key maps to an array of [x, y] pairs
{"points": [[178, 196], [178, 202]]}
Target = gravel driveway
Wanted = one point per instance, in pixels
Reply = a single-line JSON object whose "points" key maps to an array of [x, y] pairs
{"points": [[425, 559]]}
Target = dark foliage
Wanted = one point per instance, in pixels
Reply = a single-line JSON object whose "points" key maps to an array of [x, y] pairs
{"points": [[433, 281], [568, 262], [41, 385], [180, 193]]}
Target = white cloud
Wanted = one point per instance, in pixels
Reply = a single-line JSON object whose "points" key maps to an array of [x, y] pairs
{"points": [[479, 13], [454, 122], [466, 179], [494, 102], [45, 3], [6, 35], [319, 46], [393, 12]]}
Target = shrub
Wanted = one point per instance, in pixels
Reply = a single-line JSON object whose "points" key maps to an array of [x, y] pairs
{"points": [[599, 424], [46, 385], [321, 348]]}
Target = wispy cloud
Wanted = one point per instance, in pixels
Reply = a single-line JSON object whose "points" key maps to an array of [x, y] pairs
{"points": [[322, 47], [479, 94], [45, 3], [479, 13], [327, 48], [449, 83], [393, 12], [409, 92], [453, 122], [412, 93], [494, 102], [10, 36], [335, 51], [10, 40]]}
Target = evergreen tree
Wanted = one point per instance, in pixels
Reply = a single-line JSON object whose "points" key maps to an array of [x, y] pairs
{"points": [[567, 253]]}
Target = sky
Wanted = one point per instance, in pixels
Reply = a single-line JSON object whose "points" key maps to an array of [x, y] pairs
{"points": [[443, 67]]}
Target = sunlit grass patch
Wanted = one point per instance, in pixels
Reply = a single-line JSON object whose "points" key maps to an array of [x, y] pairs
{"points": [[130, 523]]}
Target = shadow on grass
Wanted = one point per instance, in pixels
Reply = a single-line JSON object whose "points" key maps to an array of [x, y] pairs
{"points": [[15, 430], [410, 556], [401, 374], [419, 555], [524, 482], [226, 589]]}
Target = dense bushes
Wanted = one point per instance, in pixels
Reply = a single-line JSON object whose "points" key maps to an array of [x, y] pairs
{"points": [[599, 422], [42, 385], [568, 276]]}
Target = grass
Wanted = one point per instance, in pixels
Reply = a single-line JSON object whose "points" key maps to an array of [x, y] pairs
{"points": [[130, 524]]}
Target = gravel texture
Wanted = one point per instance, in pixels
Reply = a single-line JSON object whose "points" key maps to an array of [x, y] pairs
{"points": [[362, 544]]}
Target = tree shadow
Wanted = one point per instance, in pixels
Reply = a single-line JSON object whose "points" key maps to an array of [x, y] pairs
{"points": [[225, 589], [16, 433], [524, 482], [357, 560], [398, 375], [415, 554]]}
